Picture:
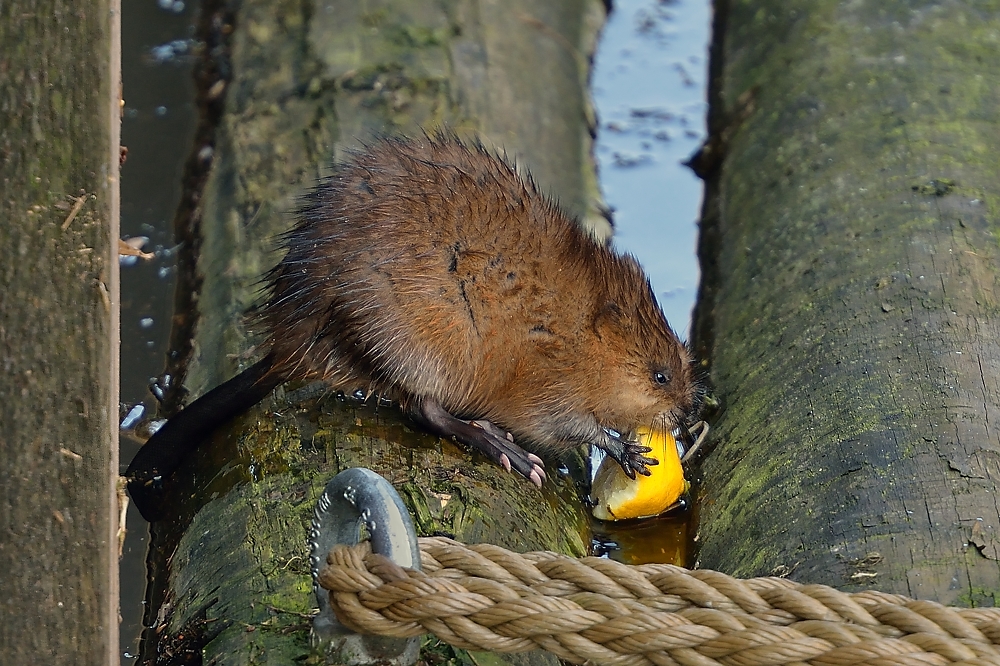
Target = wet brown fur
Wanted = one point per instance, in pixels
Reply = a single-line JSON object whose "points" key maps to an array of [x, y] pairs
{"points": [[429, 269]]}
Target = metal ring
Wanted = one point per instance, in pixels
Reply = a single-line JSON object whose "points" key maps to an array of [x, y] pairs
{"points": [[357, 503]]}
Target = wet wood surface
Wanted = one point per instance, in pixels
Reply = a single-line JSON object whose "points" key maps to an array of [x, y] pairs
{"points": [[59, 123]]}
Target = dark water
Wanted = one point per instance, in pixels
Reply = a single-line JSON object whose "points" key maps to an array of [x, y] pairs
{"points": [[649, 87], [157, 128]]}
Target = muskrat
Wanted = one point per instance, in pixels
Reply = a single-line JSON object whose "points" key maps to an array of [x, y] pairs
{"points": [[431, 273]]}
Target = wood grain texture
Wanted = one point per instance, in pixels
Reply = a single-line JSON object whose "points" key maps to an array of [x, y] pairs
{"points": [[59, 120], [850, 311]]}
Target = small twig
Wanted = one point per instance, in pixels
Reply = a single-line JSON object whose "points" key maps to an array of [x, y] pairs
{"points": [[80, 200], [129, 250], [122, 513], [70, 454], [102, 289]]}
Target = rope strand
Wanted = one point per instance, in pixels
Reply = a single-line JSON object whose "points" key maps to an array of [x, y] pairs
{"points": [[606, 613]]}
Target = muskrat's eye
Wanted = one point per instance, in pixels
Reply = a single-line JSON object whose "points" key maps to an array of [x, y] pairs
{"points": [[660, 378]]}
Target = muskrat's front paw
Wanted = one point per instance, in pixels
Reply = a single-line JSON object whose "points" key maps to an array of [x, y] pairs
{"points": [[628, 454], [633, 461]]}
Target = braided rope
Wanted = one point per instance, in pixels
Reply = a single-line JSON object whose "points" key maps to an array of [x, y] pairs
{"points": [[599, 611]]}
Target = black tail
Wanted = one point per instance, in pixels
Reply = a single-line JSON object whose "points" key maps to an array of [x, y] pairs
{"points": [[179, 437]]}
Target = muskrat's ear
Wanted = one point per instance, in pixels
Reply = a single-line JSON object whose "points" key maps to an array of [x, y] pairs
{"points": [[608, 319]]}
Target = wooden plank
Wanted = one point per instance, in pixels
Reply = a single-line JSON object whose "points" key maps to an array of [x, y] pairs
{"points": [[59, 128]]}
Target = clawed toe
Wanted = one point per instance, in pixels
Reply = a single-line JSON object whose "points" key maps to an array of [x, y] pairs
{"points": [[514, 458], [640, 462], [537, 476], [628, 454]]}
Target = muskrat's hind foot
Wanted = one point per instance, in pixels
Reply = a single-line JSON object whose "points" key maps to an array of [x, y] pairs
{"points": [[628, 454], [495, 443]]}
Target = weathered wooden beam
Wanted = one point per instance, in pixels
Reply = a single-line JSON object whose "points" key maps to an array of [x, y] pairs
{"points": [[850, 307], [59, 158], [310, 81]]}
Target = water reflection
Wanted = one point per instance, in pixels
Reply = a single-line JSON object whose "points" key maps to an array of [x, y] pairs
{"points": [[649, 88]]}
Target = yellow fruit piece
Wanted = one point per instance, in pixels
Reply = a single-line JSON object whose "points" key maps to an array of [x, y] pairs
{"points": [[619, 497]]}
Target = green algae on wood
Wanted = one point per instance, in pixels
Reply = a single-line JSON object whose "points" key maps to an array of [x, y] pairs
{"points": [[249, 539], [850, 319]]}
